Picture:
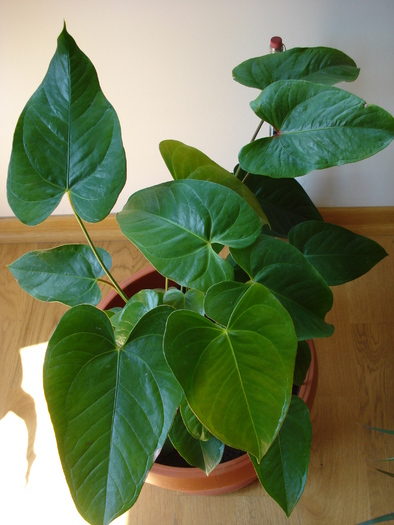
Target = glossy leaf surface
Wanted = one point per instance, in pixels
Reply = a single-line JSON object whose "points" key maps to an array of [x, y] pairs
{"points": [[146, 343], [140, 304], [318, 64], [177, 224], [284, 202], [283, 470], [317, 127], [108, 407], [205, 455], [186, 162], [190, 300], [191, 422], [293, 280], [67, 274], [240, 369], [338, 254], [182, 160], [67, 140]]}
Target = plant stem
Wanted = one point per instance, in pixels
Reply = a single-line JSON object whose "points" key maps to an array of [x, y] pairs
{"points": [[112, 283], [252, 140], [257, 131], [103, 281]]}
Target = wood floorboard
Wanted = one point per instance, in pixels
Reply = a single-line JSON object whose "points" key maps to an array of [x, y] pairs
{"points": [[356, 371]]}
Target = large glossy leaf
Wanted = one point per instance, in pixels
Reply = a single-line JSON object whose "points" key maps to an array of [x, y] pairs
{"points": [[177, 224], [67, 140], [186, 162], [293, 280], [318, 64], [67, 274], [338, 254], [284, 201], [237, 374], [317, 127], [205, 455], [283, 470], [107, 406]]}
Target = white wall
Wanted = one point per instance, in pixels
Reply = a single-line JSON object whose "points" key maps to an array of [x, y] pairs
{"points": [[166, 67]]}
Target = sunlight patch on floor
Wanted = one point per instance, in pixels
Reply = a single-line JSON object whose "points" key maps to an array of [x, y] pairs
{"points": [[45, 499]]}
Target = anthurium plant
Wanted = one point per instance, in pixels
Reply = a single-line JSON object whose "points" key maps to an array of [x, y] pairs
{"points": [[211, 361]]}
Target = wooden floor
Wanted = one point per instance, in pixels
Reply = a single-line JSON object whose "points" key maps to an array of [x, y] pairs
{"points": [[356, 376]]}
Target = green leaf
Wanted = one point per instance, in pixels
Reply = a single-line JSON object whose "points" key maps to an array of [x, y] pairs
{"points": [[382, 430], [338, 254], [67, 140], [205, 455], [283, 470], [108, 407], [228, 180], [284, 201], [177, 224], [146, 343], [186, 162], [323, 65], [380, 519], [390, 474], [302, 364], [141, 303], [191, 300], [193, 425], [239, 370], [293, 280], [317, 127], [67, 274], [182, 160]]}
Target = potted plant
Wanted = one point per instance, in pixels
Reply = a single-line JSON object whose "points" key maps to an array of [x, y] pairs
{"points": [[214, 356]]}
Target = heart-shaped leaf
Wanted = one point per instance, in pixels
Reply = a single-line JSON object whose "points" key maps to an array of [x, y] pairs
{"points": [[317, 127], [283, 470], [284, 201], [323, 65], [108, 407], [205, 455], [239, 370], [177, 224], [67, 140], [338, 254], [67, 274], [186, 162], [293, 280]]}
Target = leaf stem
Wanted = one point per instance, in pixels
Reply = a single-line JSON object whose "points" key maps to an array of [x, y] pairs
{"points": [[257, 130], [112, 283], [252, 140]]}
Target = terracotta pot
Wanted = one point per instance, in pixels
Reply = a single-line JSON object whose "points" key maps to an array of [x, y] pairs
{"points": [[226, 477]]}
